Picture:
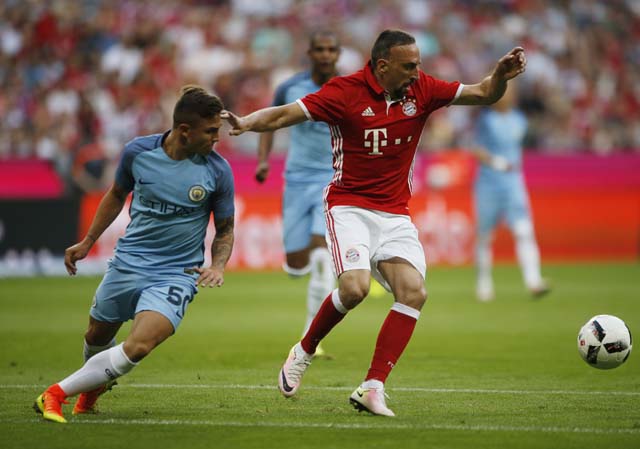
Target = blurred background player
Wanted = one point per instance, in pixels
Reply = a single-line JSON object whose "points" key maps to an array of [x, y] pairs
{"points": [[178, 181], [308, 170], [500, 194], [376, 117]]}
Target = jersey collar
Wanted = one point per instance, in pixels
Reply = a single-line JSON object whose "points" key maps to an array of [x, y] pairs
{"points": [[371, 80]]}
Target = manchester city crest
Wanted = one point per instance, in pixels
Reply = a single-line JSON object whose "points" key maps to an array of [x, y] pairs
{"points": [[197, 193], [409, 108]]}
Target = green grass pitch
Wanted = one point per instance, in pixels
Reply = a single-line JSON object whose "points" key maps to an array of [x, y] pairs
{"points": [[504, 374]]}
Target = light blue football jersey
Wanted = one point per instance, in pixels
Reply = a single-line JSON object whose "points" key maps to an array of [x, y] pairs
{"points": [[171, 205], [501, 134], [501, 195], [309, 158]]}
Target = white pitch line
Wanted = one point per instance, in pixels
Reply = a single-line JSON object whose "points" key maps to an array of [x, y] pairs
{"points": [[373, 426], [392, 389]]}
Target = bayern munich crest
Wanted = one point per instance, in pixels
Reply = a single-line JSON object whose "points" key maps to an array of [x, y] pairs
{"points": [[409, 108], [197, 193], [352, 255]]}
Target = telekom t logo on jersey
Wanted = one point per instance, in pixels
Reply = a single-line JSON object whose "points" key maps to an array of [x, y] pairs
{"points": [[379, 140]]}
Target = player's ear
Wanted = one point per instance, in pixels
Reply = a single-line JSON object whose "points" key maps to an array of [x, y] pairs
{"points": [[382, 65], [183, 132]]}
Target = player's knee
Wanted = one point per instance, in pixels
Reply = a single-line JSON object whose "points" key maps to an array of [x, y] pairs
{"points": [[352, 293], [522, 228], [90, 337], [413, 296], [421, 297], [95, 336], [416, 298]]}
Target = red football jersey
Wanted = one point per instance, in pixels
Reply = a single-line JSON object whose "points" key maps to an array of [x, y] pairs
{"points": [[373, 139]]}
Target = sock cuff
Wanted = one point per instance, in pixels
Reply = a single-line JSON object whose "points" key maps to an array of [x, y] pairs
{"points": [[99, 348], [89, 351], [296, 272], [405, 310], [335, 299], [124, 354], [119, 360]]}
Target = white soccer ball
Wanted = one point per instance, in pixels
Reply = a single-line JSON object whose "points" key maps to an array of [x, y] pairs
{"points": [[604, 342]]}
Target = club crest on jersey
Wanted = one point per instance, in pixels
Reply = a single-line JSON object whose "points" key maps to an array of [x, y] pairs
{"points": [[352, 255], [197, 193], [409, 108]]}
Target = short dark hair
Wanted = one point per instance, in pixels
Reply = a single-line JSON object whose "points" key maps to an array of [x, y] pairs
{"points": [[386, 41], [322, 33], [195, 104]]}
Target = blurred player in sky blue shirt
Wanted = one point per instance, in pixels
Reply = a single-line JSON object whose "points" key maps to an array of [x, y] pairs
{"points": [[308, 170], [501, 195]]}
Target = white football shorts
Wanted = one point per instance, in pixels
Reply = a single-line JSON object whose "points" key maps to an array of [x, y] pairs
{"points": [[360, 238]]}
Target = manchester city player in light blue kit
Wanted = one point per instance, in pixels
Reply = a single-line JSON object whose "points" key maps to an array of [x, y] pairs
{"points": [[500, 194], [308, 170], [177, 181]]}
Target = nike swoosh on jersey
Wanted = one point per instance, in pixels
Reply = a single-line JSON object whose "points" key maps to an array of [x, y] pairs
{"points": [[141, 181]]}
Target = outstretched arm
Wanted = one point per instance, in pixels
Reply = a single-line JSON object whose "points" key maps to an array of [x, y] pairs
{"points": [[109, 208], [491, 89], [267, 119]]}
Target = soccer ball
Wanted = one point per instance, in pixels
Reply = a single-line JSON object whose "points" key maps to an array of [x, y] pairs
{"points": [[604, 342]]}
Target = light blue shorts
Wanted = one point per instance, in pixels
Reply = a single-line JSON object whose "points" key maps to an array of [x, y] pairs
{"points": [[302, 214], [122, 294], [500, 201]]}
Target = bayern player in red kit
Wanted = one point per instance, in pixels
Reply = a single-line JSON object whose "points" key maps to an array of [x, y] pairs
{"points": [[376, 116]]}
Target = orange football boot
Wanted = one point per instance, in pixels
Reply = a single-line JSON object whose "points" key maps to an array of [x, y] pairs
{"points": [[86, 402], [49, 404]]}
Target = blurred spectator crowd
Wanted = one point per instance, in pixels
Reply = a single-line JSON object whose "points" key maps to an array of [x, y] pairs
{"points": [[78, 79]]}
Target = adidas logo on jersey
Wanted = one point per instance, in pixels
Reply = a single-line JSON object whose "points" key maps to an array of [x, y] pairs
{"points": [[368, 112]]}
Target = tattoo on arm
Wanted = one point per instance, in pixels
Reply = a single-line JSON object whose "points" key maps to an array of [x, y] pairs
{"points": [[222, 242]]}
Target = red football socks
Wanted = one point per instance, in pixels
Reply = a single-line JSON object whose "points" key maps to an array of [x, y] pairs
{"points": [[394, 336], [325, 320]]}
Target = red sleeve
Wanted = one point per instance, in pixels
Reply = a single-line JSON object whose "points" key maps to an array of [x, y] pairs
{"points": [[438, 93], [327, 104]]}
